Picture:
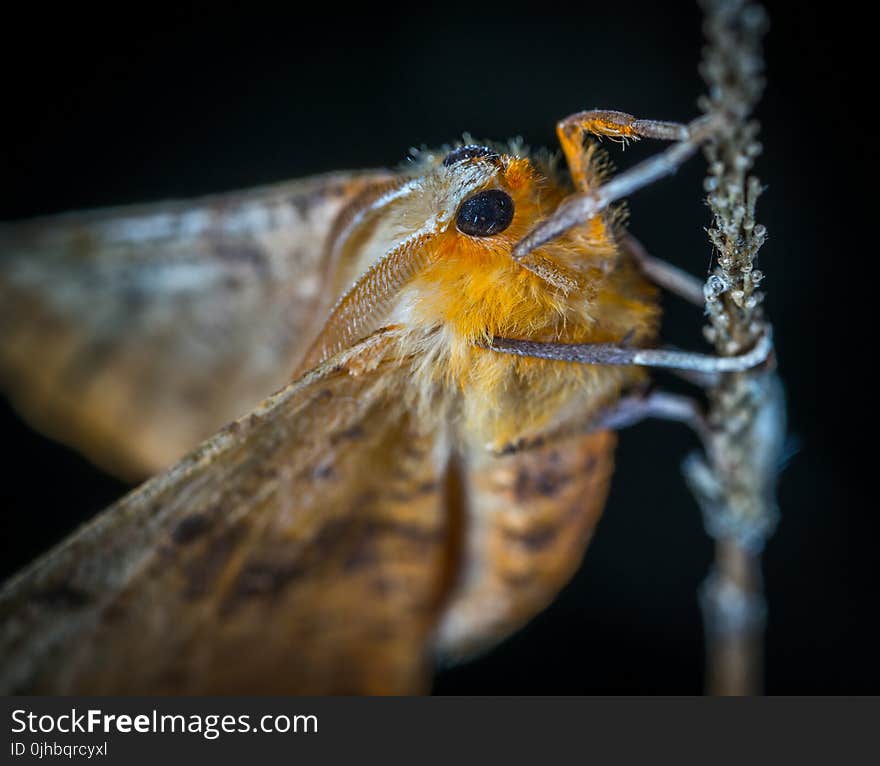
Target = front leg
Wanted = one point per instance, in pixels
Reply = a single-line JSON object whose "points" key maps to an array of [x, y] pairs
{"points": [[591, 199], [618, 126]]}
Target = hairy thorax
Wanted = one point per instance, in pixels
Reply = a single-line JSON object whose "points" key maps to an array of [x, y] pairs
{"points": [[416, 266]]}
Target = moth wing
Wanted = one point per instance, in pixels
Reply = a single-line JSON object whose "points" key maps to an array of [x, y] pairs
{"points": [[303, 549], [531, 516], [134, 333]]}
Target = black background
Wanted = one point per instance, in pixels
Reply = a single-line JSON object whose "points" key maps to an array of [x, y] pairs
{"points": [[142, 104]]}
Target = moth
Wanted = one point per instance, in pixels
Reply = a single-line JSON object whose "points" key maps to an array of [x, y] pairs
{"points": [[451, 345]]}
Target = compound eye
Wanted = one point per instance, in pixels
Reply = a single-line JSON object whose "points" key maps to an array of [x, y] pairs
{"points": [[466, 153], [486, 213]]}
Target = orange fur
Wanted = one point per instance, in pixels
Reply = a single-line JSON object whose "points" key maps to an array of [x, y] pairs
{"points": [[475, 290], [469, 289]]}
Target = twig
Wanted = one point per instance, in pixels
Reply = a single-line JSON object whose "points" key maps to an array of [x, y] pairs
{"points": [[734, 482]]}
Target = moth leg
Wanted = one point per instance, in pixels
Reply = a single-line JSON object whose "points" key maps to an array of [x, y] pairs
{"points": [[678, 282], [663, 405], [607, 123], [663, 274], [619, 126], [621, 354], [629, 410], [589, 201]]}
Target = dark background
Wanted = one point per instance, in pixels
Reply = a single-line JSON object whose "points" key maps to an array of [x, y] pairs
{"points": [[104, 110]]}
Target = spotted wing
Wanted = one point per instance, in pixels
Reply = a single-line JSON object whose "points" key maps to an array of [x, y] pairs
{"points": [[530, 517], [304, 549], [134, 333]]}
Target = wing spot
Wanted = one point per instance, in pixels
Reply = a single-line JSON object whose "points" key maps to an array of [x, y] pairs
{"points": [[323, 472], [349, 434], [267, 579], [535, 540], [546, 482], [190, 528]]}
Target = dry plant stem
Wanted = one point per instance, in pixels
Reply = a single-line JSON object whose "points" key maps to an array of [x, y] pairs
{"points": [[735, 481], [735, 613]]}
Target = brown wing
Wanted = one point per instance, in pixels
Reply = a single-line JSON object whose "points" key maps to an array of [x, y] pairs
{"points": [[134, 333], [303, 549], [530, 517]]}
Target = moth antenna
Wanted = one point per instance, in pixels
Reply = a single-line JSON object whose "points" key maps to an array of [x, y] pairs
{"points": [[368, 300]]}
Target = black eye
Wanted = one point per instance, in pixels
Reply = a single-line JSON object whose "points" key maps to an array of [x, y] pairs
{"points": [[484, 214], [466, 152]]}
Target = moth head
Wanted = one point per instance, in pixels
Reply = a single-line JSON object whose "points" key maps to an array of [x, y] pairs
{"points": [[436, 247], [475, 202], [483, 200]]}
